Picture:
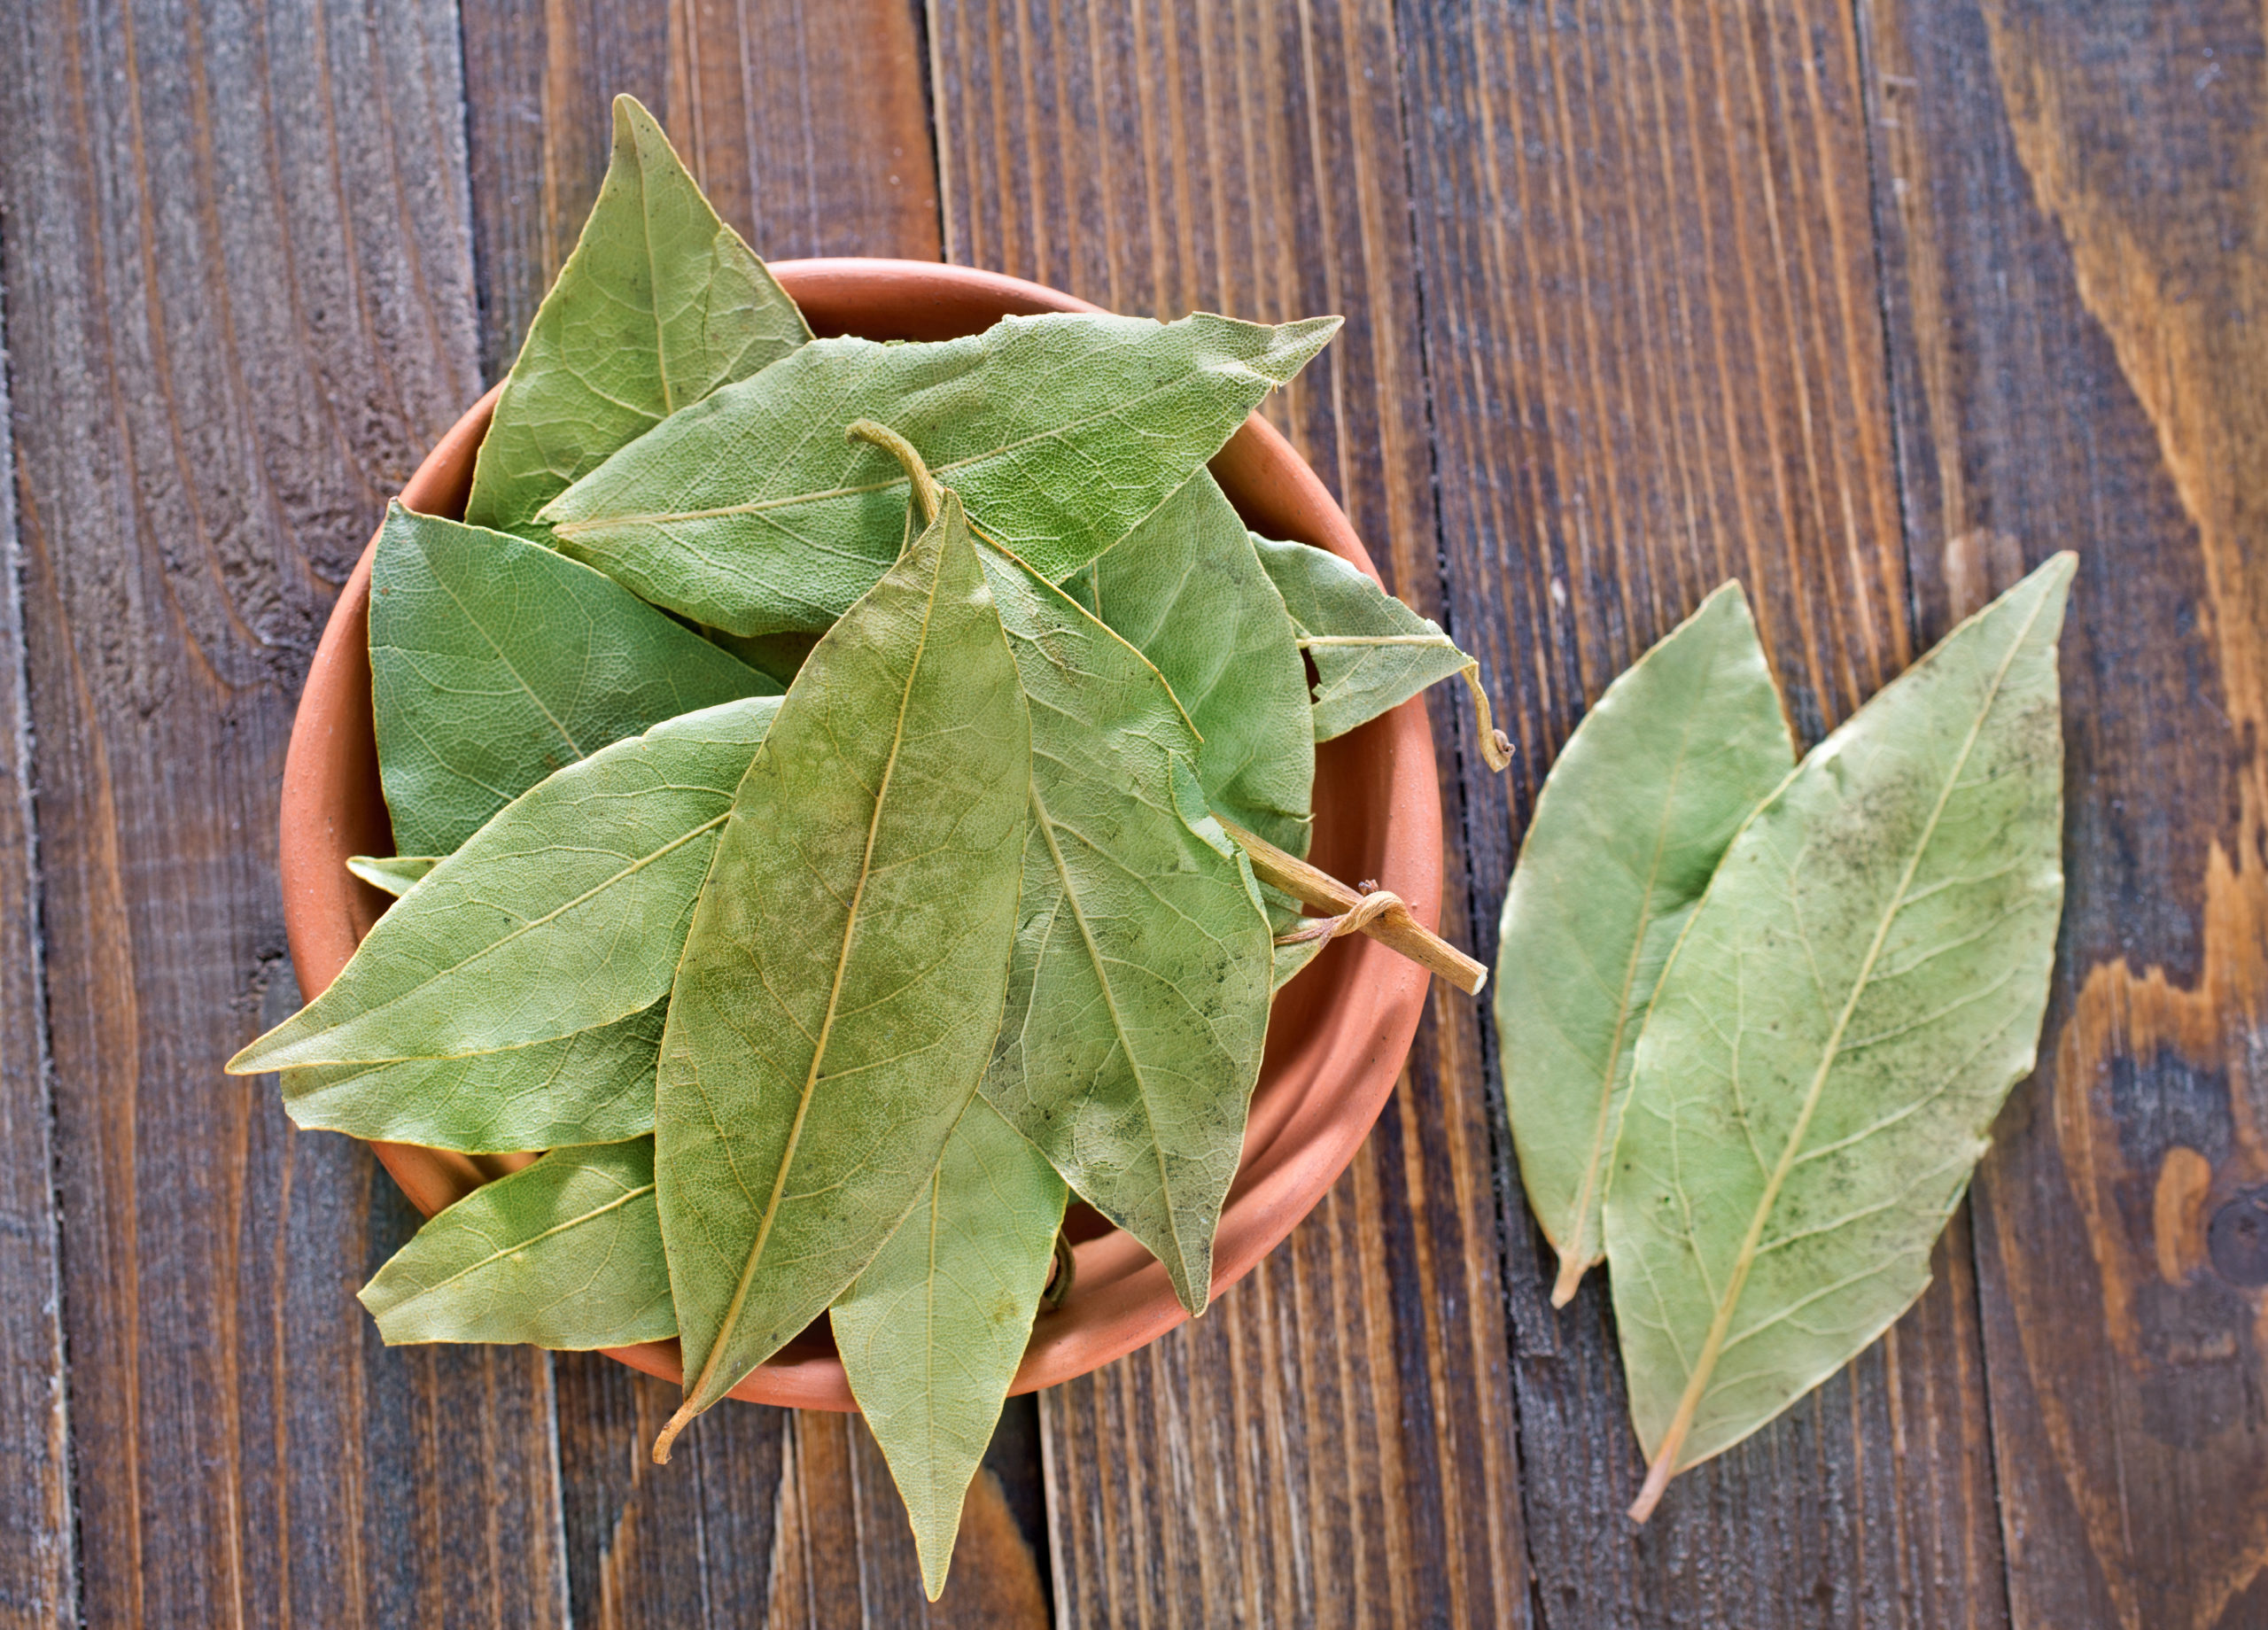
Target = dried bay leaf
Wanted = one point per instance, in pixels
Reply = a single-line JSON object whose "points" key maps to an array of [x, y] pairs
{"points": [[1837, 1026], [659, 304], [1186, 590], [563, 912], [931, 1333], [1370, 651], [566, 1253], [1629, 826], [594, 1086], [397, 874], [495, 662], [842, 981], [1138, 993], [1061, 433]]}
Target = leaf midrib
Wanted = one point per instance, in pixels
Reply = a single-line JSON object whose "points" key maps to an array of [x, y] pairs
{"points": [[531, 1241]]}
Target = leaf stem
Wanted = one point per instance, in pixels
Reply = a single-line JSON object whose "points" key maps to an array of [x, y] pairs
{"points": [[925, 490], [1392, 926]]}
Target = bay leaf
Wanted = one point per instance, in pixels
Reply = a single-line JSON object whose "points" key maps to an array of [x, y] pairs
{"points": [[1836, 1027], [932, 1332], [1370, 651], [1186, 590], [397, 874], [495, 662], [842, 981], [563, 912], [1629, 827], [659, 304], [566, 1253], [1138, 992], [594, 1086], [1061, 432]]}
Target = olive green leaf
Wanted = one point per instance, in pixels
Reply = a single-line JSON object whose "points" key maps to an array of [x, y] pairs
{"points": [[1137, 995], [563, 912], [1370, 651], [1836, 1028], [1060, 433], [495, 662], [397, 874], [1630, 825], [842, 980], [932, 1332], [594, 1086], [1186, 590], [659, 304], [566, 1253]]}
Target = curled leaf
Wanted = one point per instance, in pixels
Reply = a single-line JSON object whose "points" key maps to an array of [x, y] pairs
{"points": [[397, 874]]}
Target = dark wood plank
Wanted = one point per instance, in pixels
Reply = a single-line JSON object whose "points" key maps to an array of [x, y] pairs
{"points": [[240, 300], [38, 1572], [1333, 1441], [807, 121], [2071, 230], [1654, 340]]}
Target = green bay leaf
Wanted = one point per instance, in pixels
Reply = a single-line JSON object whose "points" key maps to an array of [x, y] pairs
{"points": [[842, 981], [1370, 651], [495, 662], [931, 1333], [1628, 828], [397, 874], [1138, 994], [566, 1253], [1836, 1028], [1061, 432], [1186, 589], [563, 912], [659, 304]]}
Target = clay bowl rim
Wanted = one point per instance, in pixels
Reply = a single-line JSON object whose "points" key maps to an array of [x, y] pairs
{"points": [[1340, 1031]]}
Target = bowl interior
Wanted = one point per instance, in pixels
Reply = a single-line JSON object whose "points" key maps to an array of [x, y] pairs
{"points": [[1338, 1032]]}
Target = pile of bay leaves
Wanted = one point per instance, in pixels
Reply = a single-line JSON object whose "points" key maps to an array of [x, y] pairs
{"points": [[826, 776], [1757, 1016]]}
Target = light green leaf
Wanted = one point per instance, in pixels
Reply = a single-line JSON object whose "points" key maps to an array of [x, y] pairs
{"points": [[397, 874], [659, 304], [1186, 590], [1137, 995], [749, 512], [1631, 823], [842, 984], [595, 1086], [495, 662], [932, 1332], [566, 1253], [1834, 1031], [563, 912], [1370, 651]]}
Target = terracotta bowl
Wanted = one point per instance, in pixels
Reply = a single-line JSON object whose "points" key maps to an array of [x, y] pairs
{"points": [[1338, 1034]]}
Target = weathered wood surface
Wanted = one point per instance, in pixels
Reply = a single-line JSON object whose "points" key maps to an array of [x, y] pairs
{"points": [[1869, 304]]}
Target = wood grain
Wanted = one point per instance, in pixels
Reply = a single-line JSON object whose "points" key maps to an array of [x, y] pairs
{"points": [[1333, 1442], [2073, 234], [1657, 360], [38, 1572], [240, 303]]}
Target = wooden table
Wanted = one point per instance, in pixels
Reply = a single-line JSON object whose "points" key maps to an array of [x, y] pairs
{"points": [[1869, 304]]}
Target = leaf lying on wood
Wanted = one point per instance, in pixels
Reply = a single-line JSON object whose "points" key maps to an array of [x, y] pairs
{"points": [[566, 1253], [1137, 995], [592, 1087], [495, 662], [1836, 1028], [933, 1331], [1185, 589], [397, 874], [1629, 826], [563, 912], [842, 981], [1370, 651], [1061, 432], [659, 304]]}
